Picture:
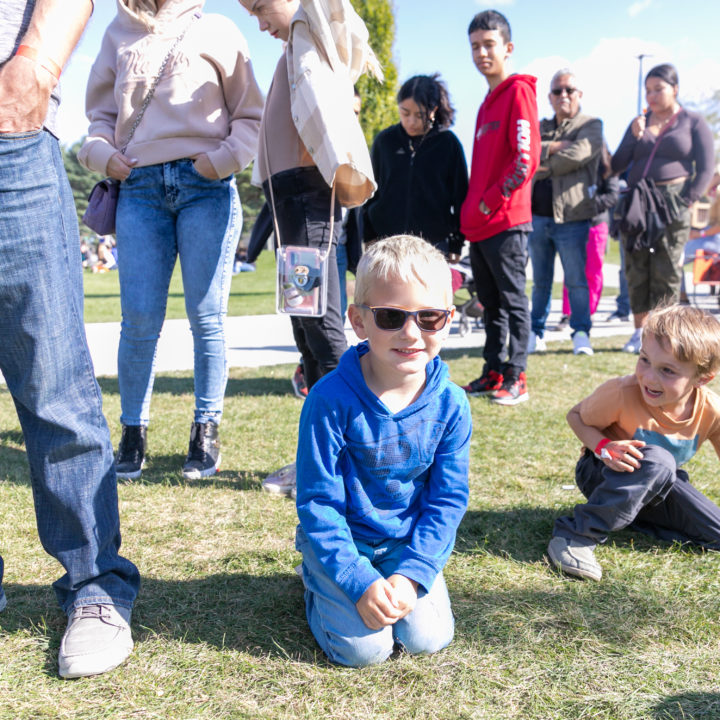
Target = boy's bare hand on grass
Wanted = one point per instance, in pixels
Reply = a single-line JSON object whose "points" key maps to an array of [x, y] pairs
{"points": [[378, 606], [625, 455]]}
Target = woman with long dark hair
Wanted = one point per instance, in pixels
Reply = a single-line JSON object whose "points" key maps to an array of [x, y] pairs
{"points": [[420, 170], [673, 147]]}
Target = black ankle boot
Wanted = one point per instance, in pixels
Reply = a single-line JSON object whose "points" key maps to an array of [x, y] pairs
{"points": [[130, 456], [203, 458]]}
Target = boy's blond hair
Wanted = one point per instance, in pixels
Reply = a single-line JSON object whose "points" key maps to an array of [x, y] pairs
{"points": [[690, 334], [405, 258]]}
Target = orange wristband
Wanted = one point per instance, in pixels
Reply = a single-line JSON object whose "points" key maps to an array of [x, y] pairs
{"points": [[42, 60]]}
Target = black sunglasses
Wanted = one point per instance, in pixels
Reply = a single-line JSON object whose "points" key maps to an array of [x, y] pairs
{"points": [[560, 90], [391, 318]]}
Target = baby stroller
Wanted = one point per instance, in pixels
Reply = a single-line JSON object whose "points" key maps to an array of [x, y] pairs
{"points": [[470, 309]]}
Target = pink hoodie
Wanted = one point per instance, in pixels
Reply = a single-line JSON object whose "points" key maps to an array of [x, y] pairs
{"points": [[207, 100]]}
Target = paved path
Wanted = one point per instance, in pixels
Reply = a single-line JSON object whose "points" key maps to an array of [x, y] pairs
{"points": [[259, 340]]}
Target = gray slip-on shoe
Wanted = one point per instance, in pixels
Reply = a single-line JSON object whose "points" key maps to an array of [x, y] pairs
{"points": [[574, 559], [97, 639]]}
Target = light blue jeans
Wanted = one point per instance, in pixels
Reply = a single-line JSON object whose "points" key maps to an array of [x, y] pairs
{"points": [[569, 240], [338, 627], [165, 211], [46, 363]]}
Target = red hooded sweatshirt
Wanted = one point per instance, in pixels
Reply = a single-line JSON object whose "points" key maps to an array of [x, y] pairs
{"points": [[506, 153]]}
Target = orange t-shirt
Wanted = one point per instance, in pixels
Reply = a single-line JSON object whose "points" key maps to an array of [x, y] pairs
{"points": [[618, 410]]}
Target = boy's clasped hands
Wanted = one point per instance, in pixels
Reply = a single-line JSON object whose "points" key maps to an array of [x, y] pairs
{"points": [[387, 600]]}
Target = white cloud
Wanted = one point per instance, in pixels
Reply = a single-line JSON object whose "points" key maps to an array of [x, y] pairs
{"points": [[637, 7], [608, 77], [495, 3]]}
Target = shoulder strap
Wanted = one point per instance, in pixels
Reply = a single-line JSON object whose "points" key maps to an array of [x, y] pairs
{"points": [[155, 82], [657, 141], [276, 228]]}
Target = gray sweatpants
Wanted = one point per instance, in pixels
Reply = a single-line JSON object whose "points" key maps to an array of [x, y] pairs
{"points": [[656, 499]]}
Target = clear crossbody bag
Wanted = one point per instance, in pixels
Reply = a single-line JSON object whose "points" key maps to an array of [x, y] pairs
{"points": [[301, 285]]}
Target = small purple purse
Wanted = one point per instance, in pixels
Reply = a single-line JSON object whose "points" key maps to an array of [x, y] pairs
{"points": [[103, 198], [102, 204]]}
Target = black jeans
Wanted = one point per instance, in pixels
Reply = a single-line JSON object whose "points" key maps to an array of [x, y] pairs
{"points": [[498, 266], [302, 204], [656, 499]]}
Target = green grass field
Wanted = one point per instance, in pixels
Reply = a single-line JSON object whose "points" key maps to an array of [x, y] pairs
{"points": [[251, 293], [219, 625]]}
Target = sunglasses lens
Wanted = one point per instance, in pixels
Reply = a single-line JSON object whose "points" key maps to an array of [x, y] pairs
{"points": [[390, 318], [431, 320]]}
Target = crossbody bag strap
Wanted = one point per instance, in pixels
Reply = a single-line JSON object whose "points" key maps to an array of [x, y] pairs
{"points": [[155, 82], [278, 243], [657, 142]]}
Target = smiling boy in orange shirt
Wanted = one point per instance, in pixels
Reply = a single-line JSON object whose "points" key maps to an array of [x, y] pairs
{"points": [[637, 431]]}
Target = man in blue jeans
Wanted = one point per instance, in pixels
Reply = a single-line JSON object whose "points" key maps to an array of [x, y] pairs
{"points": [[43, 352], [562, 206]]}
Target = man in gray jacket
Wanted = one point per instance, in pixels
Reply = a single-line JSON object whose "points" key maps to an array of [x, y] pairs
{"points": [[562, 206]]}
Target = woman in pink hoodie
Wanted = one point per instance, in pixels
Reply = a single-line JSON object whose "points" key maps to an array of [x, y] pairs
{"points": [[177, 195]]}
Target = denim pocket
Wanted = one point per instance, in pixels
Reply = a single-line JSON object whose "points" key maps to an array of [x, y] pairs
{"points": [[194, 171]]}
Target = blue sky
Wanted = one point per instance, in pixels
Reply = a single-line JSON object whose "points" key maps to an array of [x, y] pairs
{"points": [[599, 40]]}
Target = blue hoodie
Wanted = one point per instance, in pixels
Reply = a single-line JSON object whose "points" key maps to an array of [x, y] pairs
{"points": [[366, 473]]}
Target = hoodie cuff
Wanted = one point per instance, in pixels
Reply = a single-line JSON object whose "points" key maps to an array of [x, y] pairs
{"points": [[224, 162], [358, 578], [96, 154]]}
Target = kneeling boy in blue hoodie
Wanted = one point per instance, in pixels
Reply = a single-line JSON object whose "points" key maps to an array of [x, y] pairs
{"points": [[382, 466]]}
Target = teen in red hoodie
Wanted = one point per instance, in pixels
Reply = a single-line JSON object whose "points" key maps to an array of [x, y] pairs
{"points": [[496, 215]]}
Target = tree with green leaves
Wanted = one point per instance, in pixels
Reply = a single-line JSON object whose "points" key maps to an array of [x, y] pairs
{"points": [[378, 100]]}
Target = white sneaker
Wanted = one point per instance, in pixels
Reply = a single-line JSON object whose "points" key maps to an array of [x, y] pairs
{"points": [[97, 639], [536, 343], [581, 343], [282, 481], [634, 343]]}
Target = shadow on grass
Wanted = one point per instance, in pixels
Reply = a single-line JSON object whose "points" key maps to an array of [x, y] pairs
{"points": [[264, 616], [166, 470], [260, 615], [13, 460], [169, 385], [519, 533], [689, 706], [523, 534]]}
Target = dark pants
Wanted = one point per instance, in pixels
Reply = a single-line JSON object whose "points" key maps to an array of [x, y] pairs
{"points": [[656, 499], [302, 204], [498, 266]]}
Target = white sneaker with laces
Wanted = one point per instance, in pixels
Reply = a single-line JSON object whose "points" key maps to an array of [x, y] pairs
{"points": [[634, 344], [282, 481], [581, 344], [97, 639], [536, 343]]}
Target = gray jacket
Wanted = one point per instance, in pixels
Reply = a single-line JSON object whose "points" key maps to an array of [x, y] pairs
{"points": [[574, 170]]}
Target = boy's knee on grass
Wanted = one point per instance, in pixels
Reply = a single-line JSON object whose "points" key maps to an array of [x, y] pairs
{"points": [[360, 651]]}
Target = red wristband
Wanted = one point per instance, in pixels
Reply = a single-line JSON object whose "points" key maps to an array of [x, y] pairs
{"points": [[42, 60], [599, 447]]}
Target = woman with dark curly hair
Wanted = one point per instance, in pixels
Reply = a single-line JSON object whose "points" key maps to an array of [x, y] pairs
{"points": [[420, 170]]}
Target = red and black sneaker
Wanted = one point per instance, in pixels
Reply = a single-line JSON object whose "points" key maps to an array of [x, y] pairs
{"points": [[299, 385], [486, 384], [512, 392]]}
